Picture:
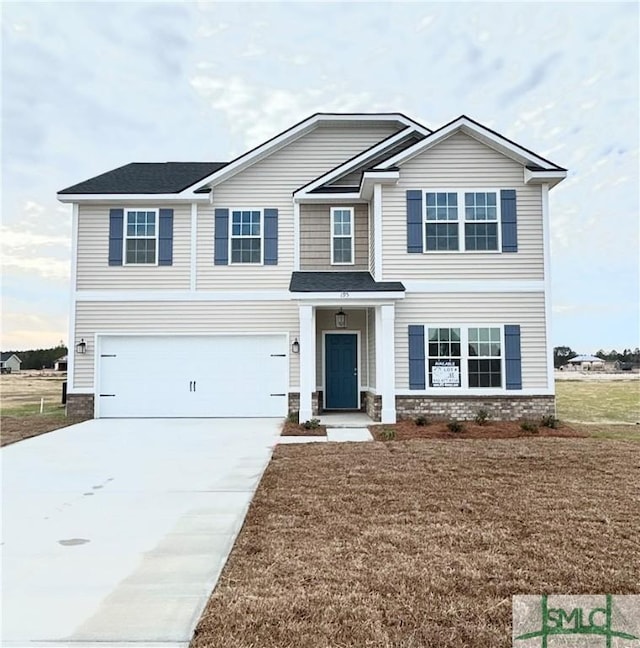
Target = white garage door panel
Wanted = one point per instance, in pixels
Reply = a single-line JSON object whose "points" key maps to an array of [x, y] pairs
{"points": [[193, 376]]}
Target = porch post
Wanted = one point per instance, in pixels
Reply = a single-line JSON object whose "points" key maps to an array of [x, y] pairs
{"points": [[307, 360], [386, 381]]}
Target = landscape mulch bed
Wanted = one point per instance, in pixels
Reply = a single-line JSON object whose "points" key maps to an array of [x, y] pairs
{"points": [[406, 430], [424, 542], [17, 428], [295, 429]]}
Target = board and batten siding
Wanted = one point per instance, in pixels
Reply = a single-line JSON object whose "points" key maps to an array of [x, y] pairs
{"points": [[462, 162], [175, 318], [525, 309], [270, 183], [94, 271], [315, 238]]}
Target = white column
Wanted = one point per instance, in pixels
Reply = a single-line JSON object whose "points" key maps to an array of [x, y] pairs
{"points": [[296, 235], [387, 372], [307, 360], [193, 271]]}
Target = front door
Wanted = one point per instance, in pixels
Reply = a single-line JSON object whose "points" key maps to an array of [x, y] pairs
{"points": [[341, 371]]}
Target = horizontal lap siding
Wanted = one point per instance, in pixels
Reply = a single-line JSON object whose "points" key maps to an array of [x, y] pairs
{"points": [[271, 183], [525, 309], [94, 271], [315, 239], [461, 162], [195, 318]]}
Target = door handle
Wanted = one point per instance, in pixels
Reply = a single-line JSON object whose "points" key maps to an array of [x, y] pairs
{"points": [[194, 385], [191, 385]]}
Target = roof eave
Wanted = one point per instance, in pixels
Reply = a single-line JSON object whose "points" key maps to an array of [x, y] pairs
{"points": [[182, 197]]}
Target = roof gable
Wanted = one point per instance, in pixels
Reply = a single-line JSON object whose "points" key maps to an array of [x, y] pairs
{"points": [[491, 138]]}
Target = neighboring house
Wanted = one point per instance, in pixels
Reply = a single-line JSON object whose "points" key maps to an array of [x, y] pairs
{"points": [[586, 363], [354, 261], [9, 362], [60, 364]]}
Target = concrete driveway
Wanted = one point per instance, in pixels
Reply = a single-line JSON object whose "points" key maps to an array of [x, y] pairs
{"points": [[115, 531]]}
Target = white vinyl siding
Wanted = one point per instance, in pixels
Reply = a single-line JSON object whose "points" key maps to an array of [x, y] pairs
{"points": [[461, 162], [193, 318], [315, 239], [94, 271], [270, 184], [495, 309]]}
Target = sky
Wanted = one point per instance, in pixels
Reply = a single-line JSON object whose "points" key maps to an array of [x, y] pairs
{"points": [[87, 87]]}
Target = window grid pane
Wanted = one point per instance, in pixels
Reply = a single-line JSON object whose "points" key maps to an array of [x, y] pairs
{"points": [[140, 245], [342, 250], [245, 250], [442, 236], [485, 367], [246, 241], [342, 236], [481, 236], [444, 355], [480, 206], [442, 206]]}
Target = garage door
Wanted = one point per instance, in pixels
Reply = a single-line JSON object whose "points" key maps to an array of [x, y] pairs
{"points": [[192, 376]]}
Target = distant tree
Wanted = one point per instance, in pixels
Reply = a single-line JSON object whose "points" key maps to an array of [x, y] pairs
{"points": [[562, 355], [601, 354], [40, 358]]}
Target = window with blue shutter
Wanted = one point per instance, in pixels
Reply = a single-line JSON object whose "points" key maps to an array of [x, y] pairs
{"points": [[509, 220], [513, 356], [271, 237], [165, 237], [116, 234], [415, 221], [416, 357], [221, 237]]}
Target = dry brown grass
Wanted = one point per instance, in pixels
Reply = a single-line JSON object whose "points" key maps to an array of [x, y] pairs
{"points": [[18, 428], [423, 543], [289, 428]]}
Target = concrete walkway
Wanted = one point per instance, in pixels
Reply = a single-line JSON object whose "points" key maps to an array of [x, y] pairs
{"points": [[115, 531]]}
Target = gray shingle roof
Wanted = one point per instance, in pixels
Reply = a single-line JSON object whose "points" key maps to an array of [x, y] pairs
{"points": [[5, 355], [340, 282], [146, 178]]}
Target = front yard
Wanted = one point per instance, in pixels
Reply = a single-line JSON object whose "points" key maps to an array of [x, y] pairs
{"points": [[423, 543]]}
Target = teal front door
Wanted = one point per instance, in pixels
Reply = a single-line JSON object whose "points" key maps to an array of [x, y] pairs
{"points": [[341, 371]]}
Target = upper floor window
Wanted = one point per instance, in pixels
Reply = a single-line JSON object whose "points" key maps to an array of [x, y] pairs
{"points": [[246, 236], [141, 241], [444, 216], [342, 239]]}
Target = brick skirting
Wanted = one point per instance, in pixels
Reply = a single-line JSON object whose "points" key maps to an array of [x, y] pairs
{"points": [[80, 406], [465, 408]]}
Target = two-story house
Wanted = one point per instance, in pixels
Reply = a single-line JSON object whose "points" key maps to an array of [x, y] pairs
{"points": [[352, 262]]}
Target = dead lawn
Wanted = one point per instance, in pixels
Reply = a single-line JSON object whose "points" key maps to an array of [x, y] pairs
{"points": [[423, 543]]}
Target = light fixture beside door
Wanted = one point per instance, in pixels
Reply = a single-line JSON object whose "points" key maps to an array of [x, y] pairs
{"points": [[341, 319]]}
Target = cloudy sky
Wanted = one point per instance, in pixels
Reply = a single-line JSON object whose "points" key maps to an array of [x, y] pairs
{"points": [[89, 86]]}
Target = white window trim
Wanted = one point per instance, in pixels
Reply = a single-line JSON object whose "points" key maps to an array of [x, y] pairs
{"points": [[125, 238], [241, 236], [462, 220], [464, 358], [352, 216]]}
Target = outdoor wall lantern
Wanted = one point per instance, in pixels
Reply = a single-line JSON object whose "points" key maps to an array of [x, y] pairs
{"points": [[341, 319], [81, 347], [295, 347]]}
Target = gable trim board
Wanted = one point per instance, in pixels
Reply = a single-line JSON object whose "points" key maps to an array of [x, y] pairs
{"points": [[201, 291]]}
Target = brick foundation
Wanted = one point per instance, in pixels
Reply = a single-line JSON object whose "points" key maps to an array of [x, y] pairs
{"points": [[372, 405], [80, 406], [465, 408], [294, 402]]}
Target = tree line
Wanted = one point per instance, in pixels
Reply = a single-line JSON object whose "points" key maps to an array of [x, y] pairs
{"points": [[41, 358], [562, 355]]}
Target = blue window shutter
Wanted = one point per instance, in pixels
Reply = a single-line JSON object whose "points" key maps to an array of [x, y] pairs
{"points": [[271, 237], [221, 246], [509, 220], [116, 232], [513, 357], [414, 222], [416, 357], [165, 237]]}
